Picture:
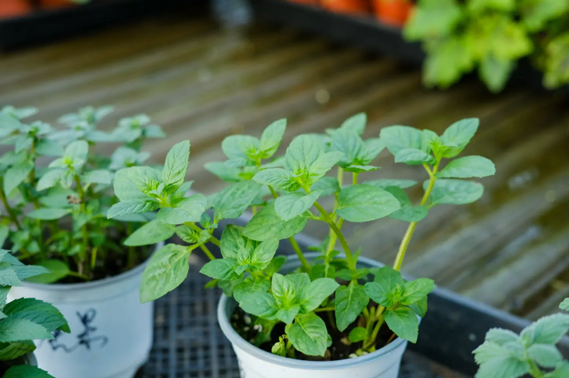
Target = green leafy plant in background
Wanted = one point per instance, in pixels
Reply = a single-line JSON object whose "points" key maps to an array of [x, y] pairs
{"points": [[505, 354], [23, 320], [286, 192], [56, 190], [491, 36]]}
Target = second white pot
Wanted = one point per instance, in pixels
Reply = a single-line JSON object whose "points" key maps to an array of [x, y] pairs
{"points": [[257, 363], [111, 331]]}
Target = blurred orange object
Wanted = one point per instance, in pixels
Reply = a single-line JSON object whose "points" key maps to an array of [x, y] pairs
{"points": [[13, 8], [357, 7], [56, 3], [393, 12], [307, 2]]}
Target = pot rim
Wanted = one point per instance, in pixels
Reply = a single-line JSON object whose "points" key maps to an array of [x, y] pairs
{"points": [[246, 346], [93, 284]]}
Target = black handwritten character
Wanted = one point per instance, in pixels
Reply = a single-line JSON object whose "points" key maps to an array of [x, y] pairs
{"points": [[85, 338]]}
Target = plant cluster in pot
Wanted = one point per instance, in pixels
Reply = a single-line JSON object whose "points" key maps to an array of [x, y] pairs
{"points": [[23, 320], [56, 190], [332, 313]]}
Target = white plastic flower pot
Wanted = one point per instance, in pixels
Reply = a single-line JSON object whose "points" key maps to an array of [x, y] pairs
{"points": [[111, 331], [257, 363]]}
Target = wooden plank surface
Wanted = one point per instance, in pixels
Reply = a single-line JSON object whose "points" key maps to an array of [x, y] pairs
{"points": [[202, 82]]}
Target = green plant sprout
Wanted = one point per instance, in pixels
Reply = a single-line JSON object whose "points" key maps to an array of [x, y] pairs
{"points": [[505, 354], [285, 193], [56, 191], [23, 320]]}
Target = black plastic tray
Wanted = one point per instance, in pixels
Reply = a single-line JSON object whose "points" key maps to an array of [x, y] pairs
{"points": [[45, 25]]}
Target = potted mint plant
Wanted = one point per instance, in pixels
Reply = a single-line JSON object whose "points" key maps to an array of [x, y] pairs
{"points": [[329, 313], [22, 321], [531, 353], [56, 189]]}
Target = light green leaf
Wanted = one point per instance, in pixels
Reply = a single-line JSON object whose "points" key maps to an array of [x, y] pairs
{"points": [[271, 138], [38, 312], [350, 302], [190, 209], [433, 19], [564, 305], [403, 322], [241, 147], [13, 329], [263, 254], [349, 143], [458, 135], [468, 166], [132, 207], [266, 225], [356, 123], [397, 138], [47, 147], [232, 201], [292, 205], [545, 355], [277, 178], [455, 192], [308, 334], [357, 334], [57, 270], [250, 287], [362, 203], [8, 277], [385, 183], [176, 166], [151, 233], [326, 185], [501, 336], [125, 189], [50, 179], [312, 295], [14, 350], [221, 269], [259, 304], [561, 371], [322, 165], [166, 270], [420, 307], [417, 289], [371, 148], [508, 367], [496, 72], [413, 156], [25, 371], [489, 351], [407, 212], [99, 176], [547, 330], [15, 175], [46, 213], [224, 171], [302, 152], [284, 290]]}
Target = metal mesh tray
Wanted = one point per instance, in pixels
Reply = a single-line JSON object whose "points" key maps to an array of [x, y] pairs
{"points": [[189, 343]]}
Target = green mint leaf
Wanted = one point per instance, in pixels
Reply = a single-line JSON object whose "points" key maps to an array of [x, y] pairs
{"points": [[287, 315], [266, 225], [245, 251], [308, 335], [277, 178], [25, 371], [77, 150], [224, 171], [50, 179], [397, 138], [292, 205], [489, 351], [302, 152], [14, 350], [232, 201], [166, 270], [125, 189], [275, 265], [507, 367], [284, 291], [385, 183], [132, 207], [413, 156], [501, 336], [545, 355], [417, 289], [403, 322], [8, 277], [221, 269], [349, 143], [387, 281], [360, 168], [48, 213], [407, 212], [312, 295], [190, 209], [151, 233], [433, 19], [547, 330], [299, 280], [259, 304], [458, 135], [57, 270], [189, 235], [350, 302], [279, 348], [15, 175], [242, 147], [271, 138], [99, 176], [355, 124], [420, 307], [36, 311], [495, 72], [176, 166], [14, 329], [455, 192], [371, 148], [322, 165], [357, 334], [326, 185], [363, 203], [263, 254], [561, 371], [469, 166], [250, 287], [564, 305]]}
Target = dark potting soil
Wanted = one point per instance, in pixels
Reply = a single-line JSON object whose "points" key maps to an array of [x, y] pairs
{"points": [[249, 327]]}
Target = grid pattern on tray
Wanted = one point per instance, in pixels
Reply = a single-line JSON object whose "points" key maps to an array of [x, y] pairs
{"points": [[189, 344]]}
